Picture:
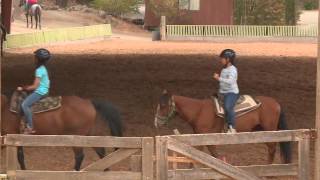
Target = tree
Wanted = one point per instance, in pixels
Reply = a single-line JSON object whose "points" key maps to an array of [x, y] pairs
{"points": [[266, 12], [118, 7], [170, 9]]}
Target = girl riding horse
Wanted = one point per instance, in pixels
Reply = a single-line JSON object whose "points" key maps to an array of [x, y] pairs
{"points": [[40, 87], [32, 9], [76, 116], [228, 87], [202, 116]]}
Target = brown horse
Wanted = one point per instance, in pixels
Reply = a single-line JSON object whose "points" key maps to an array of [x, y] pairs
{"points": [[76, 116], [201, 115]]}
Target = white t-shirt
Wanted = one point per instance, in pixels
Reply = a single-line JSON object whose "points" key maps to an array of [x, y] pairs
{"points": [[228, 80]]}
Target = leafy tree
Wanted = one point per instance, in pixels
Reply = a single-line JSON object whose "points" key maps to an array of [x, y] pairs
{"points": [[266, 12], [118, 7], [170, 9]]}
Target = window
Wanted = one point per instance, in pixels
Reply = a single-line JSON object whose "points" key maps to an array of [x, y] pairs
{"points": [[193, 5]]}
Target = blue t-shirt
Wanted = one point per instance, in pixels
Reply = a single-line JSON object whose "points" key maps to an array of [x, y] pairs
{"points": [[42, 74]]}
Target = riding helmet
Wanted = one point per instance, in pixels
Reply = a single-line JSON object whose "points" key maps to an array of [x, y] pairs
{"points": [[42, 54]]}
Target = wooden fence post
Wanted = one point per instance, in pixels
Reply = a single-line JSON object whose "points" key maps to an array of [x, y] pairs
{"points": [[147, 158], [162, 158], [1, 141], [174, 154], [317, 124], [11, 161], [304, 159], [163, 28]]}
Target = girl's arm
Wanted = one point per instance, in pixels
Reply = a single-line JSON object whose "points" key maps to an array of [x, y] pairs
{"points": [[34, 86]]}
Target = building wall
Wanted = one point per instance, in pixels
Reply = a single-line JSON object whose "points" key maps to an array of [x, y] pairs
{"points": [[212, 12]]}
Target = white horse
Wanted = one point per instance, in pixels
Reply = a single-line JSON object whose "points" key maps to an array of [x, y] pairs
{"points": [[34, 11]]}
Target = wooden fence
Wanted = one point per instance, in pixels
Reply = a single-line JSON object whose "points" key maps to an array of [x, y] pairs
{"points": [[240, 31], [58, 35], [141, 152], [128, 146], [207, 32], [218, 169]]}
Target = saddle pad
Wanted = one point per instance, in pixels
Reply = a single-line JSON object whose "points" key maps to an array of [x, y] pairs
{"points": [[245, 104], [44, 105]]}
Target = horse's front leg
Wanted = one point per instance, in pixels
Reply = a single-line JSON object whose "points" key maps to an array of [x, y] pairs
{"points": [[20, 155], [39, 21], [31, 21], [27, 20], [78, 156], [36, 21], [271, 152]]}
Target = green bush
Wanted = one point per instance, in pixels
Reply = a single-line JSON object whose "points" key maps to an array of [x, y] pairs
{"points": [[310, 5], [118, 7]]}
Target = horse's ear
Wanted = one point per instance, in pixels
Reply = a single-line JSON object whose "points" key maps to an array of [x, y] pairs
{"points": [[165, 92]]}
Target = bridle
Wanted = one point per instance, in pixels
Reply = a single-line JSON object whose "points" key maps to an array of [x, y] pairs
{"points": [[170, 115]]}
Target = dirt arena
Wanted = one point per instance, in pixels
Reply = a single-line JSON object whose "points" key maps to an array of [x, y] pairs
{"points": [[134, 81]]}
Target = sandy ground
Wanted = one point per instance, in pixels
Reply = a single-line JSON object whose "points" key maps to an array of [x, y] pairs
{"points": [[123, 44], [62, 18]]}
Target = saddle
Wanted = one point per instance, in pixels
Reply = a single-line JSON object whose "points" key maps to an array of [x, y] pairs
{"points": [[244, 105], [44, 105]]}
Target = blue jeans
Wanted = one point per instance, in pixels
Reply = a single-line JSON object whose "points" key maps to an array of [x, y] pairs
{"points": [[230, 100], [26, 107]]}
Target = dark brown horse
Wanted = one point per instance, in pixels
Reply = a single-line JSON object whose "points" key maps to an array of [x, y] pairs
{"points": [[34, 11], [76, 116], [201, 115]]}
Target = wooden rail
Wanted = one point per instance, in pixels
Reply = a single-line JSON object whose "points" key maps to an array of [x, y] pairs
{"points": [[219, 169], [127, 147]]}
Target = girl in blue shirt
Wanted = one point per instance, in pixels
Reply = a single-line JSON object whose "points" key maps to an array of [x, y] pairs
{"points": [[40, 87]]}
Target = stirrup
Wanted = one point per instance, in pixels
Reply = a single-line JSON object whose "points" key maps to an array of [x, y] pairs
{"points": [[231, 130], [29, 131]]}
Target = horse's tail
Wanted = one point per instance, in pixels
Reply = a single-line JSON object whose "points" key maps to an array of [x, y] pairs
{"points": [[110, 114], [285, 147]]}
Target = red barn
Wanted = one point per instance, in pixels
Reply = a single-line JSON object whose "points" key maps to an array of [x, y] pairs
{"points": [[200, 12]]}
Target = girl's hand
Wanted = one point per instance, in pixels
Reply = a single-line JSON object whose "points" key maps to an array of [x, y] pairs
{"points": [[20, 88], [216, 76]]}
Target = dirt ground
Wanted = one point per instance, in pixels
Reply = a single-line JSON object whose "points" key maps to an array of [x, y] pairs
{"points": [[129, 44], [133, 81], [62, 18]]}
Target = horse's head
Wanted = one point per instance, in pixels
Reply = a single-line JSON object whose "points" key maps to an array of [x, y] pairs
{"points": [[166, 109]]}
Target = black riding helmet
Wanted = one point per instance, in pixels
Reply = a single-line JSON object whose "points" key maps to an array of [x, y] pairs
{"points": [[42, 54], [228, 54]]}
